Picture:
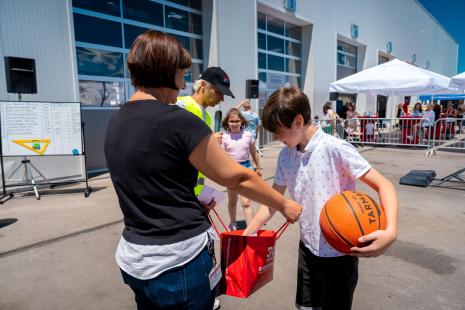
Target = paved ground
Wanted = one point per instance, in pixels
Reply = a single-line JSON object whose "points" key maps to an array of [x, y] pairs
{"points": [[58, 252]]}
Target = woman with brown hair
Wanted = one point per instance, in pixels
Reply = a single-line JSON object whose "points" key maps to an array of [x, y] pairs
{"points": [[154, 150]]}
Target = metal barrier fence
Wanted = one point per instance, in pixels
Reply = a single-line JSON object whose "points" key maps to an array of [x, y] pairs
{"points": [[445, 133]]}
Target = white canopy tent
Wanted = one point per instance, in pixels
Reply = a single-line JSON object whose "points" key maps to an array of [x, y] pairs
{"points": [[458, 81], [394, 78]]}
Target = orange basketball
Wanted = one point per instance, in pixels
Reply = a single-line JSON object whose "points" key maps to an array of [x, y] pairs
{"points": [[348, 216]]}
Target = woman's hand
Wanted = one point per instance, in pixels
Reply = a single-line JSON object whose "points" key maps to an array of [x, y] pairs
{"points": [[208, 207], [259, 171], [292, 210], [376, 243]]}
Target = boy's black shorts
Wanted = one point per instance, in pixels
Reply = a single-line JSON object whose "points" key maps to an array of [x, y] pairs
{"points": [[326, 282]]}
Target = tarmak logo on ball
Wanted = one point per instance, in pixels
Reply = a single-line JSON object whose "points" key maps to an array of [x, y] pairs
{"points": [[366, 205]]}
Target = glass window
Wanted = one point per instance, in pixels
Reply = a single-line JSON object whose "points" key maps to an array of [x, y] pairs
{"points": [[195, 4], [275, 25], [261, 41], [183, 21], [262, 77], [194, 73], [293, 49], [346, 60], [293, 65], [294, 81], [262, 60], [275, 44], [382, 59], [275, 63], [261, 21], [100, 63], [342, 46], [101, 93], [276, 80], [130, 34], [293, 31], [110, 7], [194, 46], [97, 31], [143, 11]]}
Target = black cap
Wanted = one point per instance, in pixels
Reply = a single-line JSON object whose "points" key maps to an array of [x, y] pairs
{"points": [[218, 78]]}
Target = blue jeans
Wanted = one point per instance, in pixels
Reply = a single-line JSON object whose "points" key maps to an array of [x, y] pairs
{"points": [[185, 287]]}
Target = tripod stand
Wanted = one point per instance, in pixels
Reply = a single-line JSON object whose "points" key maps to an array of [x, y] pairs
{"points": [[29, 176]]}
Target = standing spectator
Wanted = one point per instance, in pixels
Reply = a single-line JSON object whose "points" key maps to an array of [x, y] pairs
{"points": [[253, 121], [370, 131], [154, 150], [330, 119], [209, 91], [240, 145], [400, 112], [351, 121], [437, 111], [405, 107]]}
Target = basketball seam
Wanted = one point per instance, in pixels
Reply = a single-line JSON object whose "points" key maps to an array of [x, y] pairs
{"points": [[335, 230], [377, 210], [355, 215]]}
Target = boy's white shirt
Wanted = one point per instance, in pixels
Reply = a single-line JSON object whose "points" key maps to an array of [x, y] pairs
{"points": [[328, 166]]}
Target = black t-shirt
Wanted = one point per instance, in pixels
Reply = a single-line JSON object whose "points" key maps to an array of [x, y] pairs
{"points": [[147, 148]]}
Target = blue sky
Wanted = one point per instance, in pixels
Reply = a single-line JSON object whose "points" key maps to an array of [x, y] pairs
{"points": [[450, 13]]}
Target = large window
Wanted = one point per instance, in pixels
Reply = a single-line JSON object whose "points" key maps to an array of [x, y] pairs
{"points": [[279, 57], [346, 59], [105, 30]]}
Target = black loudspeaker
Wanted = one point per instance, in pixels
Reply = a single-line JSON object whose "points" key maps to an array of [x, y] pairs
{"points": [[420, 178], [20, 75], [333, 96], [251, 89]]}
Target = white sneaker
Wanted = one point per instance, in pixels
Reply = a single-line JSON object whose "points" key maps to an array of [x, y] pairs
{"points": [[232, 226], [216, 305]]}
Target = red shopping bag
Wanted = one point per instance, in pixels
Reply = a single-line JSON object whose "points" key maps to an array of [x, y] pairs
{"points": [[247, 261]]}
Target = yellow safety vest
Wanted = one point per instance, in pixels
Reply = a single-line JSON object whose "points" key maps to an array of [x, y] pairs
{"points": [[192, 106]]}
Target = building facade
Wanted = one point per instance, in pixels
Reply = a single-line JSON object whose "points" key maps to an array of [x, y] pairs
{"points": [[80, 48]]}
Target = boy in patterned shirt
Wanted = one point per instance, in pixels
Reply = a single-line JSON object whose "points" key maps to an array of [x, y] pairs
{"points": [[313, 167]]}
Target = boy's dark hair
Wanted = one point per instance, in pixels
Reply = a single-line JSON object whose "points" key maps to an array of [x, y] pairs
{"points": [[283, 106], [232, 111], [154, 59]]}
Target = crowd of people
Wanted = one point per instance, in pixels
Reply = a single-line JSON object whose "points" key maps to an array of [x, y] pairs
{"points": [[160, 148]]}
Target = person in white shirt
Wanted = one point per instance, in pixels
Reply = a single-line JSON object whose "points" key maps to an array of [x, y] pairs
{"points": [[427, 121], [313, 167]]}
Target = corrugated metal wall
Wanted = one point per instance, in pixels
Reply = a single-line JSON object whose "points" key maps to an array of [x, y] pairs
{"points": [[42, 30]]}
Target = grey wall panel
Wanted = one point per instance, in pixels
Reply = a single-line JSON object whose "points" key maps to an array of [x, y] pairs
{"points": [[41, 30], [96, 122]]}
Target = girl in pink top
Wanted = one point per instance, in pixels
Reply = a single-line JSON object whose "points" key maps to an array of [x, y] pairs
{"points": [[239, 144]]}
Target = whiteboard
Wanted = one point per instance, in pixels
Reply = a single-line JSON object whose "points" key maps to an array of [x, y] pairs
{"points": [[40, 128]]}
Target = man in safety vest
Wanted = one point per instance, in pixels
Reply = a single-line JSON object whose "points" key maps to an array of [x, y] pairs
{"points": [[209, 91]]}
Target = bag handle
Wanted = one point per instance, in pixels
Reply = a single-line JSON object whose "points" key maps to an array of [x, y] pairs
{"points": [[221, 221], [278, 233], [281, 230]]}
